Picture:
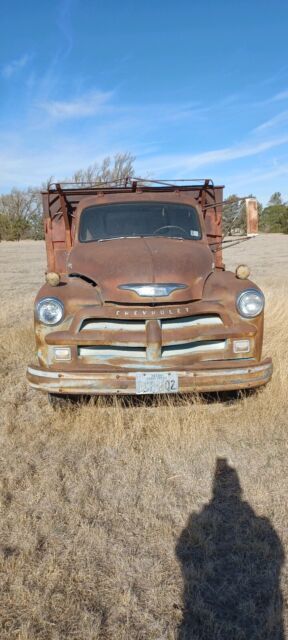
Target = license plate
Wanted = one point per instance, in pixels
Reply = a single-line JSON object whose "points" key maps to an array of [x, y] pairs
{"points": [[157, 382]]}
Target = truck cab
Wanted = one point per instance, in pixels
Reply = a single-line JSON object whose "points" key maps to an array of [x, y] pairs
{"points": [[137, 299]]}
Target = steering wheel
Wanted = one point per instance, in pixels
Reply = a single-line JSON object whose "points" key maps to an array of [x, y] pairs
{"points": [[171, 226]]}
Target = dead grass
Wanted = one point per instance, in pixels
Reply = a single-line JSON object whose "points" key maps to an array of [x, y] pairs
{"points": [[95, 501]]}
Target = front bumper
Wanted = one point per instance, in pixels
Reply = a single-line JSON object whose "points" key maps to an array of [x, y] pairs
{"points": [[218, 376]]}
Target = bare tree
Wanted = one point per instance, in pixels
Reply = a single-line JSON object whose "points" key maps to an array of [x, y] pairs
{"points": [[110, 170]]}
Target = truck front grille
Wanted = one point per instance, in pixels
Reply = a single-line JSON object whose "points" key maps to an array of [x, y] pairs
{"points": [[132, 339]]}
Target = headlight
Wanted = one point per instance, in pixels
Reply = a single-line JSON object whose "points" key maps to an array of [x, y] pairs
{"points": [[50, 310], [250, 303]]}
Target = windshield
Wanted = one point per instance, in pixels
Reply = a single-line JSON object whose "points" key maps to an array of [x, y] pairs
{"points": [[134, 219]]}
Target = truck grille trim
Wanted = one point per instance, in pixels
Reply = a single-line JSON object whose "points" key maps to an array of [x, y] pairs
{"points": [[193, 347], [191, 321], [108, 352], [110, 324]]}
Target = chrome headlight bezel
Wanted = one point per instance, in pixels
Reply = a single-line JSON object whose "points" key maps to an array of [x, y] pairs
{"points": [[40, 310], [240, 302]]}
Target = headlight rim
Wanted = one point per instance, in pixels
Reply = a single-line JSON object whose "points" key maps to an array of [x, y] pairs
{"points": [[49, 299], [244, 292]]}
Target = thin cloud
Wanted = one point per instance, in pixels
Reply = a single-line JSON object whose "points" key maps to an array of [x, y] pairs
{"points": [[260, 176], [64, 22], [283, 95], [186, 163], [272, 122], [261, 182], [101, 103], [14, 66], [278, 97], [89, 105], [50, 80]]}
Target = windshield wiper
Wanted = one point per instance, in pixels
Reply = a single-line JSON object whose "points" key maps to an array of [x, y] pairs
{"points": [[117, 238], [168, 237], [148, 235]]}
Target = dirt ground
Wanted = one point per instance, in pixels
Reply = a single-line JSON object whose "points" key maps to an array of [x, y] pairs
{"points": [[143, 521]]}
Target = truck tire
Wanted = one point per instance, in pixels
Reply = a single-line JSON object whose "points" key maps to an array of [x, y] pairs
{"points": [[66, 401], [60, 401]]}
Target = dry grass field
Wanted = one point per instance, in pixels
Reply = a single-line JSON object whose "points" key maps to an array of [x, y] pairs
{"points": [[142, 521]]}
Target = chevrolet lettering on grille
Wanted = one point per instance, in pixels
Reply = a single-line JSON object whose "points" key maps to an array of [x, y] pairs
{"points": [[152, 313]]}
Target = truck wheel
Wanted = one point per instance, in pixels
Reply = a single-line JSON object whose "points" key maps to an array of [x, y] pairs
{"points": [[59, 401], [64, 400]]}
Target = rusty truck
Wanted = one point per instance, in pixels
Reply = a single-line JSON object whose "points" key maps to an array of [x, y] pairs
{"points": [[137, 299]]}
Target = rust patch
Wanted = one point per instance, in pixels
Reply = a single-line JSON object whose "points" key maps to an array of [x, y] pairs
{"points": [[153, 340]]}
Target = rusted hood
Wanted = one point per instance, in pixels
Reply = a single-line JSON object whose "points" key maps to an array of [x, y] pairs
{"points": [[143, 260]]}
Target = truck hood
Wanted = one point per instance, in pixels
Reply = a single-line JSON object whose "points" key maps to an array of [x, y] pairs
{"points": [[146, 260]]}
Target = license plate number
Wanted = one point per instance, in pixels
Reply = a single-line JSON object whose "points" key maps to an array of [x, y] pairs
{"points": [[156, 382]]}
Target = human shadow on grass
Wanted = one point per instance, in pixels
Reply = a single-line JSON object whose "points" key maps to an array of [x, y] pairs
{"points": [[231, 561]]}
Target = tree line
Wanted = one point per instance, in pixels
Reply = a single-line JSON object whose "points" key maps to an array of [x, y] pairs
{"points": [[21, 214]]}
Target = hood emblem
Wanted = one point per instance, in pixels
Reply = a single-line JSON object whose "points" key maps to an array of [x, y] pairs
{"points": [[153, 290]]}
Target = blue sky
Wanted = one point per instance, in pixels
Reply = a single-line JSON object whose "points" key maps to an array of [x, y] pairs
{"points": [[191, 89]]}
